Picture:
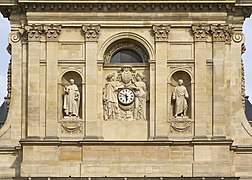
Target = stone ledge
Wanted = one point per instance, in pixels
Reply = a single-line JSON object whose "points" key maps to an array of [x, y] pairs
{"points": [[127, 178], [164, 141]]}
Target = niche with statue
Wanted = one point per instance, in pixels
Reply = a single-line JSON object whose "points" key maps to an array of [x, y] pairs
{"points": [[71, 95], [180, 102]]}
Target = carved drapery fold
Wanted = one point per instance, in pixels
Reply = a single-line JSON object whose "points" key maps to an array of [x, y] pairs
{"points": [[201, 32], [161, 32], [91, 32]]}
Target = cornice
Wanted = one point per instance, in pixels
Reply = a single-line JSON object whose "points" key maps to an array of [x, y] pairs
{"points": [[100, 142], [229, 6]]}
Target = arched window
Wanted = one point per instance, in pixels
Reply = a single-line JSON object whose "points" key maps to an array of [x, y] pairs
{"points": [[126, 56], [125, 52]]}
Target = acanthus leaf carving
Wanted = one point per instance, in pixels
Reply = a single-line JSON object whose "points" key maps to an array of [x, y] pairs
{"points": [[52, 32], [91, 32], [161, 32], [222, 33], [200, 32], [34, 32]]}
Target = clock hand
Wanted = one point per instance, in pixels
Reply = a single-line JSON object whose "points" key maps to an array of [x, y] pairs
{"points": [[126, 96]]}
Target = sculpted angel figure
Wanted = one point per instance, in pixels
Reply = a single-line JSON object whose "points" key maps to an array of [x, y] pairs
{"points": [[180, 96], [71, 99], [110, 101]]}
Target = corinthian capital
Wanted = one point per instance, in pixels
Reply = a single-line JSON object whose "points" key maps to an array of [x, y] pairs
{"points": [[200, 32], [91, 32], [161, 32], [222, 33], [52, 32], [34, 32]]}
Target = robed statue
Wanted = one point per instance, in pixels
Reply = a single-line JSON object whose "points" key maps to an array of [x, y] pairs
{"points": [[71, 99], [180, 96]]}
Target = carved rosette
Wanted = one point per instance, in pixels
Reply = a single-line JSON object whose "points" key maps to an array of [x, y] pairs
{"points": [[91, 32], [161, 32], [222, 33], [200, 32]]}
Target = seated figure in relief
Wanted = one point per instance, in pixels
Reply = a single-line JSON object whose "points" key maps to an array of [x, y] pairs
{"points": [[71, 99], [180, 96]]}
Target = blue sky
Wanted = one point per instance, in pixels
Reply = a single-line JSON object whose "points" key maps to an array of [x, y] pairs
{"points": [[4, 56]]}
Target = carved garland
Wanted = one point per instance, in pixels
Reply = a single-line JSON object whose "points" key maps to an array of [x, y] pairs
{"points": [[125, 45]]}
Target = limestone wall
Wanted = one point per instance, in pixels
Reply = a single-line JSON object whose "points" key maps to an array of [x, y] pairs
{"points": [[54, 43]]}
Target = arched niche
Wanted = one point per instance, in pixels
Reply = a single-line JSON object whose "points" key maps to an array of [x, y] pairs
{"points": [[187, 82], [65, 81]]}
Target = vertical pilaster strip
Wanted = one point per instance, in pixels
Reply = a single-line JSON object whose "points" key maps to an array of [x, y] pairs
{"points": [[152, 126], [33, 104], [161, 45], [221, 34], [201, 34], [15, 95], [52, 34], [91, 33]]}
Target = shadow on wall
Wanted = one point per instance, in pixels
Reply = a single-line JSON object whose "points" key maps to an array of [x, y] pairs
{"points": [[248, 110], [3, 113]]}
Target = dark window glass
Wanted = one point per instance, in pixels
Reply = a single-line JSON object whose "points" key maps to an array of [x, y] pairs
{"points": [[126, 56]]}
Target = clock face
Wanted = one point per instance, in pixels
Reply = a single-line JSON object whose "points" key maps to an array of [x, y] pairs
{"points": [[126, 96]]}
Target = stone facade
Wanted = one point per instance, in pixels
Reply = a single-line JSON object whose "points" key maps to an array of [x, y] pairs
{"points": [[126, 59]]}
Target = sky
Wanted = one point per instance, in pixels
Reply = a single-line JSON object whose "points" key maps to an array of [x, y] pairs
{"points": [[5, 57]]}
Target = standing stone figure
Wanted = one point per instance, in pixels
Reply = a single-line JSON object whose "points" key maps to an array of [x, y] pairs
{"points": [[110, 101], [180, 95], [71, 99], [141, 96]]}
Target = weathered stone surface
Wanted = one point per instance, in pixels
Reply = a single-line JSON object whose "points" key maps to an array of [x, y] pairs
{"points": [[156, 44]]}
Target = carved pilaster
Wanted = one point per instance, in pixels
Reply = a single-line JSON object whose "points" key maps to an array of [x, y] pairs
{"points": [[91, 32], [222, 33], [52, 32], [161, 32], [200, 32]]}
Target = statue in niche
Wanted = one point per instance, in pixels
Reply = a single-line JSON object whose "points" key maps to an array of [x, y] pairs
{"points": [[180, 96], [110, 101], [71, 99], [140, 89]]}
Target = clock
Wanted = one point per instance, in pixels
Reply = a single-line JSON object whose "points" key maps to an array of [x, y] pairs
{"points": [[126, 96]]}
